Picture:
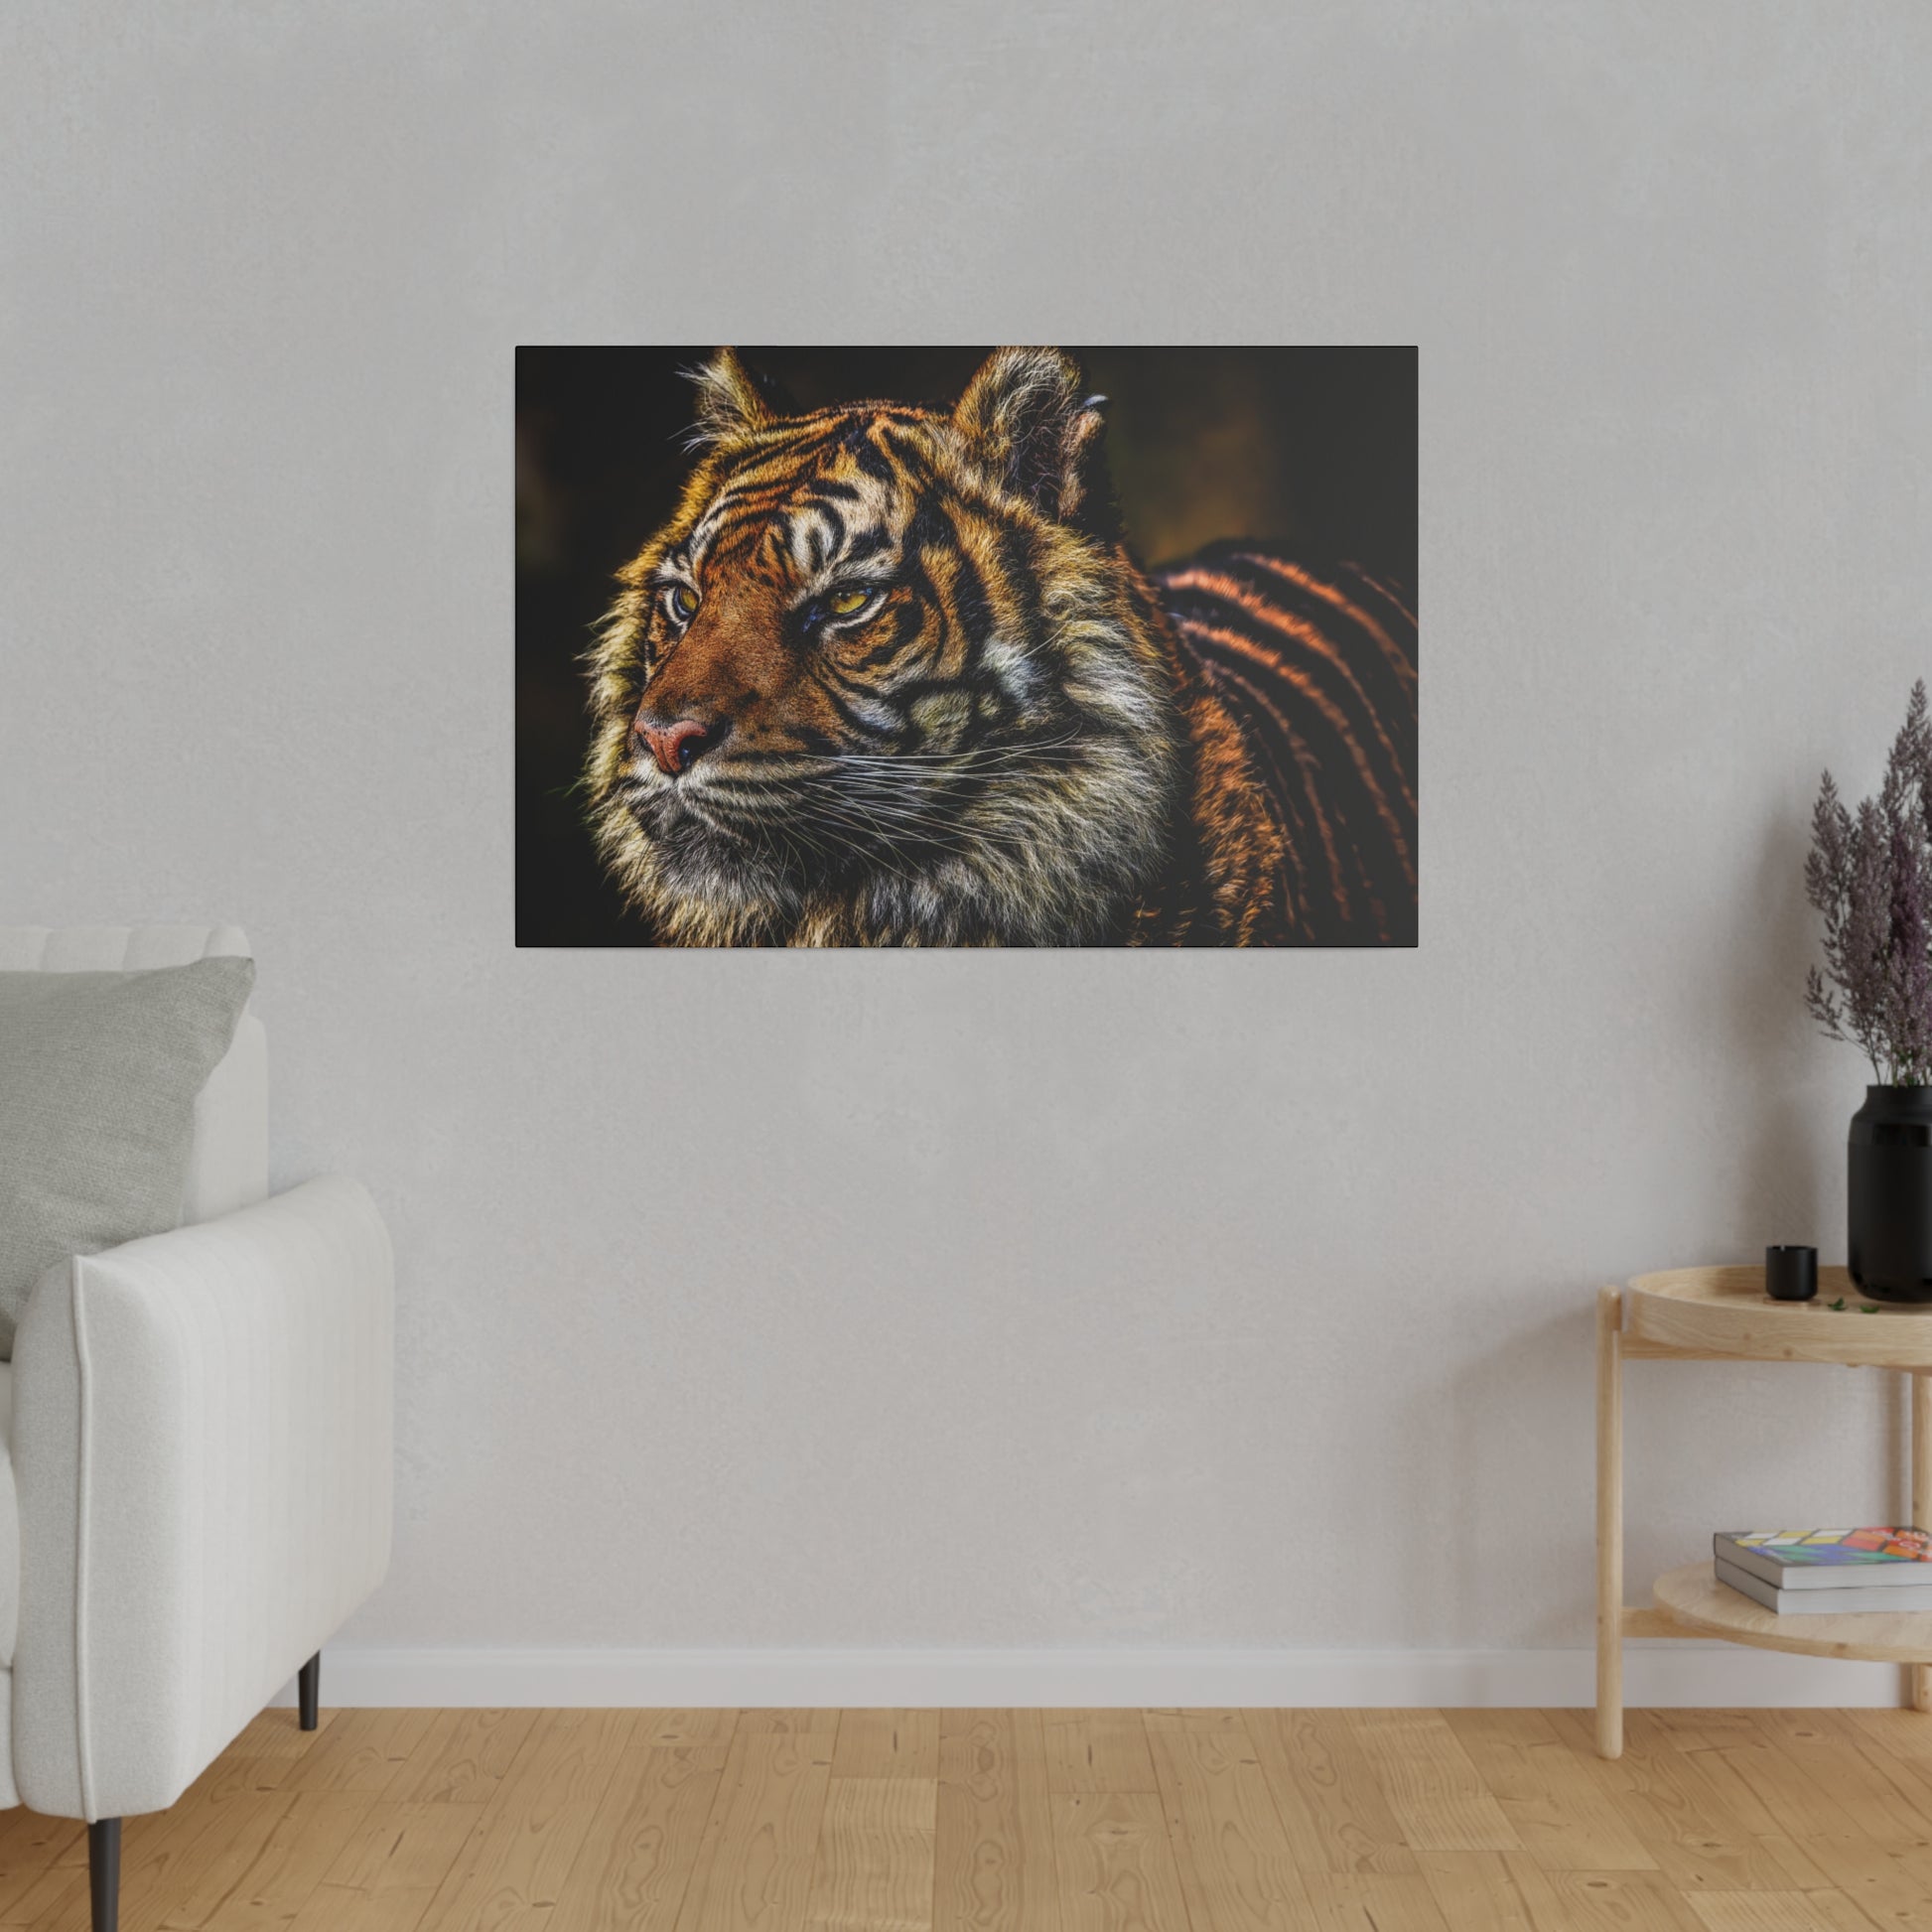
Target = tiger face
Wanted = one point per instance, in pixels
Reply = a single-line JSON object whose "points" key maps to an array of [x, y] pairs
{"points": [[886, 679]]}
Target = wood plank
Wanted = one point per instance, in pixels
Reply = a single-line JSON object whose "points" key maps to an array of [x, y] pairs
{"points": [[1887, 1802], [686, 1726], [279, 1733], [1116, 1868], [644, 1843], [55, 1893], [363, 1751], [1556, 1800], [227, 1777], [462, 1759], [874, 1869], [1374, 1902], [1790, 1800], [1779, 1911], [1332, 1807], [292, 1861], [1899, 1733], [758, 1862], [993, 1866], [1097, 1750], [799, 1721], [1710, 1777], [512, 1867], [1697, 1729], [31, 1847], [62, 1899], [1436, 1793], [1618, 1901], [1890, 1884], [1237, 1871], [1696, 1842], [1219, 1723], [1490, 1891], [1802, 1871], [385, 1877], [887, 1745], [181, 1869]]}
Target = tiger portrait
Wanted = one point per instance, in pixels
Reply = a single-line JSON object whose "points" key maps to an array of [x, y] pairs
{"points": [[891, 674]]}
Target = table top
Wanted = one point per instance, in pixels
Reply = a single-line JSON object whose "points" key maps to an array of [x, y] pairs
{"points": [[1724, 1312]]}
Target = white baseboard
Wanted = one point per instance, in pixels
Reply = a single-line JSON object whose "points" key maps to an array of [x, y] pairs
{"points": [[1655, 1674]]}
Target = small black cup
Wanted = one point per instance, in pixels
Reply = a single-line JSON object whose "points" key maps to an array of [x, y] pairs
{"points": [[1791, 1273]]}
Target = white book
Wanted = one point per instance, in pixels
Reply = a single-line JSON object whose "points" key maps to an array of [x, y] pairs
{"points": [[1899, 1599]]}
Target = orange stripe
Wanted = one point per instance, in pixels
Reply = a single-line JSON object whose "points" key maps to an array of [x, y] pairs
{"points": [[1236, 642], [1232, 591], [1388, 591], [1329, 595], [1303, 758]]}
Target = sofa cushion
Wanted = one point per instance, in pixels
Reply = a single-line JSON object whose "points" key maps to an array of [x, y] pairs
{"points": [[99, 1075], [228, 1168]]}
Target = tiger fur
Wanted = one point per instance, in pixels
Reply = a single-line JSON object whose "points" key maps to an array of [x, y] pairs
{"points": [[889, 676]]}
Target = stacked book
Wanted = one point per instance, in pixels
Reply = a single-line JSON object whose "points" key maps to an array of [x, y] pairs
{"points": [[1828, 1572]]}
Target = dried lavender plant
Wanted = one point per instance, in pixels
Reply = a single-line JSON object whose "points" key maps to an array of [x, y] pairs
{"points": [[1869, 875]]}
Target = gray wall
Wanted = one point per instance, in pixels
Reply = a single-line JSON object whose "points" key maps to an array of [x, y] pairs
{"points": [[956, 1300]]}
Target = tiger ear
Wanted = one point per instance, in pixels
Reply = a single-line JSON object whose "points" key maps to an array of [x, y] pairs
{"points": [[732, 399], [1025, 414]]}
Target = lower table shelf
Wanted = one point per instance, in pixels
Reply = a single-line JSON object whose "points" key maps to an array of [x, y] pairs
{"points": [[1693, 1598]]}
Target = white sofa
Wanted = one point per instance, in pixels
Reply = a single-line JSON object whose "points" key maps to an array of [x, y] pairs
{"points": [[199, 1454]]}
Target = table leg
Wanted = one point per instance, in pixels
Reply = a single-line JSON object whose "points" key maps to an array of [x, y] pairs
{"points": [[1609, 1523], [1922, 1674]]}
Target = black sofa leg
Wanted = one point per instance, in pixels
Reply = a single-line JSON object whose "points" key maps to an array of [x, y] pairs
{"points": [[105, 1873], [308, 1686]]}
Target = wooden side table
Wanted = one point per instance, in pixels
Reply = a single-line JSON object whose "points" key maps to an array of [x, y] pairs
{"points": [[1704, 1314]]}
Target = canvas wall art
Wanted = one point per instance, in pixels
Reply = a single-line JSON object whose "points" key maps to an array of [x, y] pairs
{"points": [[1032, 646]]}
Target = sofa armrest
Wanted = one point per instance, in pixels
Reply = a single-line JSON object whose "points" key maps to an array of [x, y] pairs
{"points": [[202, 1447]]}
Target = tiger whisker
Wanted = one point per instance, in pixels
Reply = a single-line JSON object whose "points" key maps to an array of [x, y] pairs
{"points": [[876, 835], [944, 833], [807, 764]]}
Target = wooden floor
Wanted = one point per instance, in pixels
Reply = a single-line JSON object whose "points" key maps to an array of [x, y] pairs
{"points": [[1028, 1821]]}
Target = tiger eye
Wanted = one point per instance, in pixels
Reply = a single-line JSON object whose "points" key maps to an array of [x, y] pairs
{"points": [[684, 600], [843, 603]]}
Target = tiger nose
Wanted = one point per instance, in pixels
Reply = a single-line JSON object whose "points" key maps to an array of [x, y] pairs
{"points": [[676, 747]]}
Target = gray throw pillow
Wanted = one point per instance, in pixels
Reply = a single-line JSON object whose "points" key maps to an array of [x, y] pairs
{"points": [[99, 1074]]}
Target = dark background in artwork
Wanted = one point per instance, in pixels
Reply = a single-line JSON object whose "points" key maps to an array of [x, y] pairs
{"points": [[1313, 448]]}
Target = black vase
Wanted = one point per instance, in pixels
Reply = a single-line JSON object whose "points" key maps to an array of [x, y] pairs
{"points": [[1891, 1194]]}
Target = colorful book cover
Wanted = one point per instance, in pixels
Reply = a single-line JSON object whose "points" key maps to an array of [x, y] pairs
{"points": [[1821, 1549]]}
